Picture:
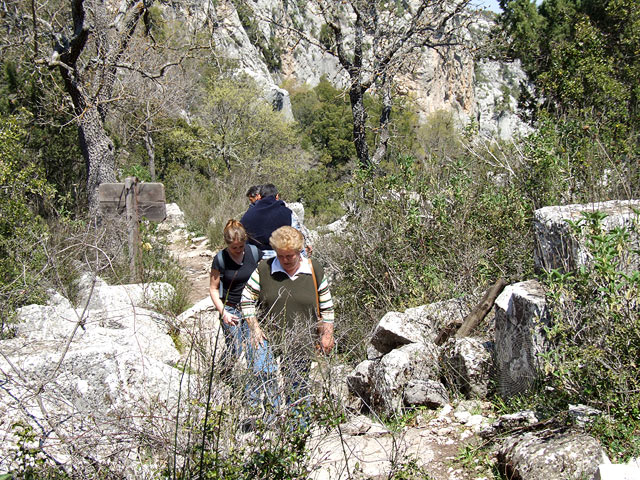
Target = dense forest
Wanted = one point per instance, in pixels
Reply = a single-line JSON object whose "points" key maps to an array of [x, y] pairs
{"points": [[435, 210]]}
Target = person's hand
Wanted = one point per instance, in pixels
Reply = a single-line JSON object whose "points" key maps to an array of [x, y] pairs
{"points": [[257, 337], [326, 343], [230, 319]]}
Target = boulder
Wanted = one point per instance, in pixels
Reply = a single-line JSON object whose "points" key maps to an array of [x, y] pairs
{"points": [[467, 364], [555, 245], [391, 375], [520, 318], [552, 456], [201, 336], [175, 218], [114, 297], [419, 324], [425, 393], [359, 381]]}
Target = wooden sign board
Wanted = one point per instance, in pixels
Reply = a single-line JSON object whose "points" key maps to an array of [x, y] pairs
{"points": [[150, 200]]}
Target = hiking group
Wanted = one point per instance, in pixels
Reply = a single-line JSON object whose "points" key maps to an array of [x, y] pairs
{"points": [[274, 302]]}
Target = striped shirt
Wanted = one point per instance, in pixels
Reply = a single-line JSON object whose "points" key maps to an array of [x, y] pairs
{"points": [[251, 292]]}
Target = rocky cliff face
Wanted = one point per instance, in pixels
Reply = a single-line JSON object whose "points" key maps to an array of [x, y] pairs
{"points": [[258, 34]]}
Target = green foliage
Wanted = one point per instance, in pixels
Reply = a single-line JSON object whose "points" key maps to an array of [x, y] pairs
{"points": [[321, 192], [22, 188], [50, 141], [159, 266], [30, 463], [426, 232], [135, 170], [324, 116], [580, 55], [276, 450]]}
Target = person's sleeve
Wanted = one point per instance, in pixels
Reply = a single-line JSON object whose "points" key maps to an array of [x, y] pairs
{"points": [[326, 302], [250, 295]]}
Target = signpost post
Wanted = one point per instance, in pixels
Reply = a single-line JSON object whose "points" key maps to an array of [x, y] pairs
{"points": [[137, 200]]}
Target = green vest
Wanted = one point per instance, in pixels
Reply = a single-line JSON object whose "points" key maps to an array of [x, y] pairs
{"points": [[286, 302]]}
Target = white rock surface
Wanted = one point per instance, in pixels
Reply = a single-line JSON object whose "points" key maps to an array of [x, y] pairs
{"points": [[99, 386]]}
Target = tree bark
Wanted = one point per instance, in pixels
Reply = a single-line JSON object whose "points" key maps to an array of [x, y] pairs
{"points": [[90, 90], [98, 151]]}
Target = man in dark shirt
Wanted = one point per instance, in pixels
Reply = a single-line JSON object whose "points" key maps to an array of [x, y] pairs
{"points": [[264, 217]]}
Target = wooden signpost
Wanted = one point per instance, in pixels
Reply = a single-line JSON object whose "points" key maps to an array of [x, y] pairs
{"points": [[137, 200]]}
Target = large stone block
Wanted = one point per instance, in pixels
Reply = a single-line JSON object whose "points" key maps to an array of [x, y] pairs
{"points": [[467, 365], [521, 315], [555, 245]]}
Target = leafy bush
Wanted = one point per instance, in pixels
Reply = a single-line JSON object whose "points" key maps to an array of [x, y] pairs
{"points": [[22, 230], [423, 233], [595, 333]]}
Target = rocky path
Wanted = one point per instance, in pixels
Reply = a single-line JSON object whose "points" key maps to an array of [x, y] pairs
{"points": [[195, 257]]}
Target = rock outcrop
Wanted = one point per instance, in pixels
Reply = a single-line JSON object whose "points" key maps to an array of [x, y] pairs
{"points": [[260, 40], [94, 385], [520, 318], [551, 455]]}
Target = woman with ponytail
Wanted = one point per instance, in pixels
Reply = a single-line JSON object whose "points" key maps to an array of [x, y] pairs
{"points": [[230, 270]]}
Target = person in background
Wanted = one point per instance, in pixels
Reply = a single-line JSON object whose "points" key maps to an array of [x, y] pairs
{"points": [[253, 194], [264, 217], [291, 296]]}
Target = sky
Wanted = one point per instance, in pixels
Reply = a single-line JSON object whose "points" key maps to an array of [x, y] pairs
{"points": [[492, 4], [488, 4]]}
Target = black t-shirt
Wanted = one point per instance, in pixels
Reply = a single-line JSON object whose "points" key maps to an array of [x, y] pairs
{"points": [[235, 276]]}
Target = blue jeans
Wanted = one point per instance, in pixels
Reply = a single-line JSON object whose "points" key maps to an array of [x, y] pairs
{"points": [[264, 367], [260, 361]]}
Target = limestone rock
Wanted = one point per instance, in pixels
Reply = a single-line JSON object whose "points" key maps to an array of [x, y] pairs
{"points": [[175, 217], [520, 318], [468, 363], [359, 381], [110, 297], [555, 245], [419, 324], [425, 393], [200, 332], [615, 471], [391, 374], [552, 456], [90, 383]]}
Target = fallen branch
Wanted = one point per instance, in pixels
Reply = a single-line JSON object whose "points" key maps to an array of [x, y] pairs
{"points": [[471, 321]]}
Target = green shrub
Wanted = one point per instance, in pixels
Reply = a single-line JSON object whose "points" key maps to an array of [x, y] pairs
{"points": [[23, 233], [422, 233], [595, 334]]}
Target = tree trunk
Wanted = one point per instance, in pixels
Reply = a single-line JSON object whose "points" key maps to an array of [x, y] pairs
{"points": [[385, 117], [98, 151], [356, 95], [151, 152]]}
